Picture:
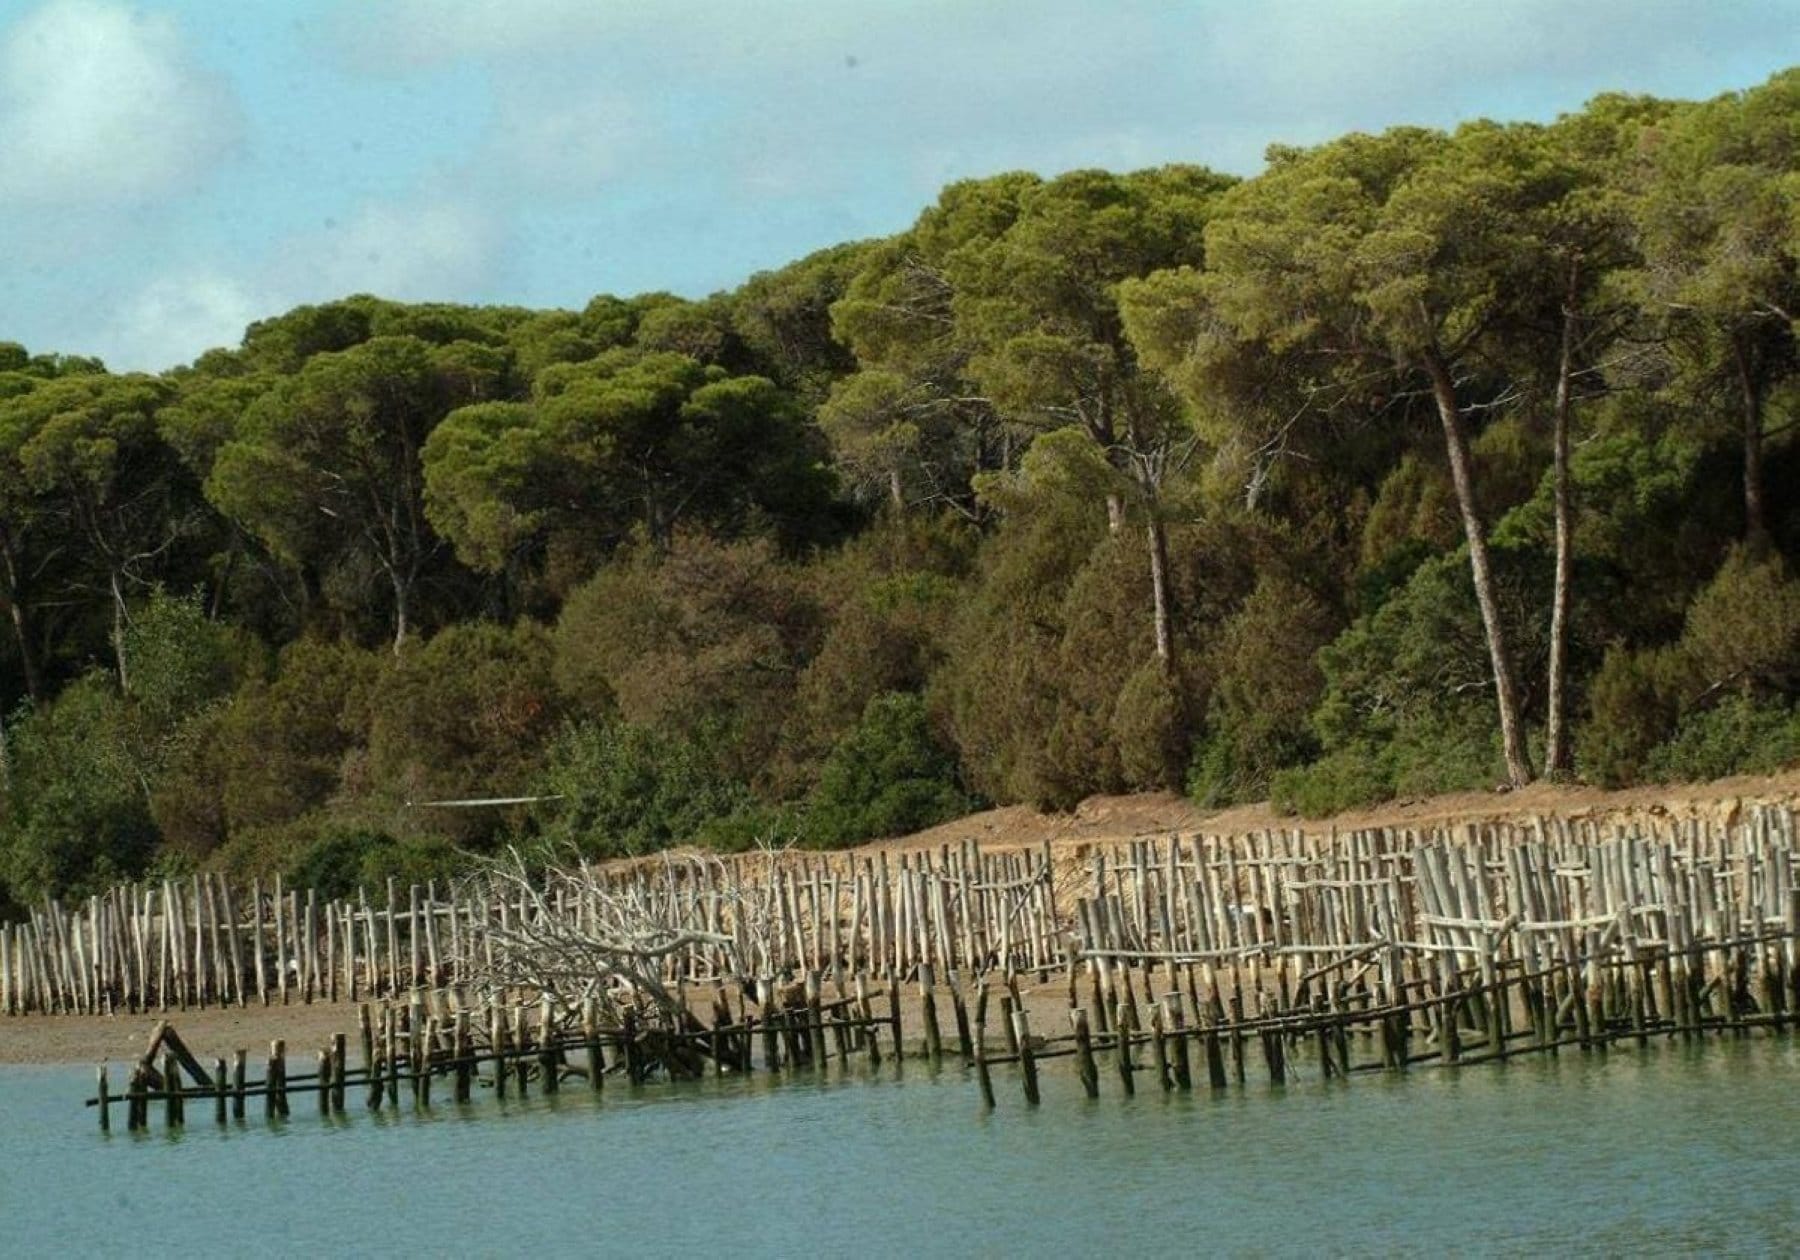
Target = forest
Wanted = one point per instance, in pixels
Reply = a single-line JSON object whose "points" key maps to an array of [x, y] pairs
{"points": [[1419, 461]]}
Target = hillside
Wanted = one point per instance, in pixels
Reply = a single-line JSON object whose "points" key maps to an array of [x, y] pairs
{"points": [[1394, 469]]}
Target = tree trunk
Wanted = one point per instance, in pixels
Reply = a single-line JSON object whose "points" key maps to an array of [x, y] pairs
{"points": [[1756, 532], [15, 608], [1159, 589], [216, 606], [118, 634], [896, 491], [1456, 442], [402, 596], [1115, 513], [27, 658], [1556, 743]]}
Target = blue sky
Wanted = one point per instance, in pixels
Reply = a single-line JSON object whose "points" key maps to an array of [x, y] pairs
{"points": [[172, 169]]}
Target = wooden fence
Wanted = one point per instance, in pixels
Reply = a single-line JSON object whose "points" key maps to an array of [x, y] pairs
{"points": [[200, 941], [1336, 954]]}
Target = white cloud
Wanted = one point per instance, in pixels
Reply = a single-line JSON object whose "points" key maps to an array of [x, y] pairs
{"points": [[410, 252], [556, 145], [175, 317], [428, 252], [377, 33], [100, 104]]}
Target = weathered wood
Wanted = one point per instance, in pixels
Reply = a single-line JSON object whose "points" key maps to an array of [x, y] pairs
{"points": [[1021, 1025], [1084, 1052]]}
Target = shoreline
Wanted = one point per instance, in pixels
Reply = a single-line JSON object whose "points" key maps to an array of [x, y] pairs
{"points": [[74, 1040], [212, 1032]]}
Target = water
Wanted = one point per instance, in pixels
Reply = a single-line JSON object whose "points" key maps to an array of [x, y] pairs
{"points": [[1677, 1150]]}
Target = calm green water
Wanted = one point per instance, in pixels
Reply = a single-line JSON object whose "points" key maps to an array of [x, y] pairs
{"points": [[1672, 1152]]}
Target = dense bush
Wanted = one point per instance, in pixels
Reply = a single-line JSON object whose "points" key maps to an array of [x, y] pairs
{"points": [[465, 715], [75, 815], [1266, 684], [1633, 704], [623, 788], [1716, 700], [1736, 736], [888, 776], [1077, 485]]}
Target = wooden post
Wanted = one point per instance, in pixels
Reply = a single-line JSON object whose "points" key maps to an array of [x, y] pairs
{"points": [[1127, 1070], [815, 1021], [105, 1100], [256, 942], [137, 1107], [894, 1013], [374, 1065], [1010, 1026], [981, 1065], [1021, 1024], [934, 1045], [463, 1048], [1175, 1019], [960, 1009], [1159, 1050], [271, 1079], [628, 1033], [231, 936], [497, 1047], [416, 1066], [1084, 1052], [771, 1042], [365, 1028], [221, 1091], [547, 1065], [278, 1050], [238, 1064], [522, 1045], [424, 1049], [590, 1036], [866, 1012], [172, 1114]]}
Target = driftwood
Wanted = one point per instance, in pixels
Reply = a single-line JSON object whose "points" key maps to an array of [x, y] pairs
{"points": [[573, 936]]}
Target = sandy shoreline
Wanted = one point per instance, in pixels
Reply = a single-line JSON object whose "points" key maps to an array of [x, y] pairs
{"points": [[210, 1034], [214, 1033]]}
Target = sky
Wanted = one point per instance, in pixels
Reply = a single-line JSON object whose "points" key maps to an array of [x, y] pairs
{"points": [[171, 170]]}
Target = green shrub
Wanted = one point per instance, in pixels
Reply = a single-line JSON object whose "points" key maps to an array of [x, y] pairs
{"points": [[1743, 629], [334, 863], [180, 661], [1633, 702], [413, 860], [74, 817], [468, 714], [1710, 704], [1150, 730], [705, 641], [1345, 778], [751, 826], [188, 797], [1266, 683], [888, 776], [1736, 736], [627, 789], [284, 743]]}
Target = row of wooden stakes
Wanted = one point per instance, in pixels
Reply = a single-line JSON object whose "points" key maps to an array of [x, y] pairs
{"points": [[202, 941], [406, 1046], [1278, 1015], [1734, 988]]}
